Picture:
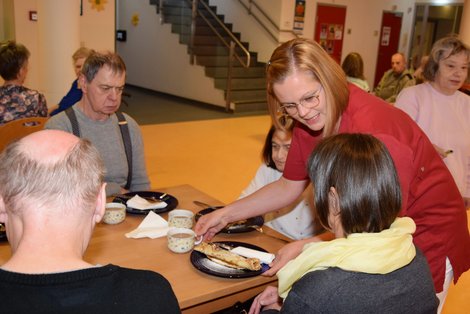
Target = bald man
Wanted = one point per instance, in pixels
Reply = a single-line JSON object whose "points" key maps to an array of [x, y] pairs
{"points": [[395, 79], [51, 196]]}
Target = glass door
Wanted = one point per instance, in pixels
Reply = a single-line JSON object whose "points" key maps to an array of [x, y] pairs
{"points": [[432, 22]]}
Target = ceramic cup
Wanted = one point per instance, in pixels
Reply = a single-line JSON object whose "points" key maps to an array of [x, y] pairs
{"points": [[181, 218], [182, 240], [114, 213]]}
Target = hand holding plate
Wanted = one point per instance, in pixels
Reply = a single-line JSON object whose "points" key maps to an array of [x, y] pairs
{"points": [[283, 256]]}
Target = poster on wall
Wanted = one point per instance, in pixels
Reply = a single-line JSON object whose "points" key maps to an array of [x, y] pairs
{"points": [[338, 32], [385, 41], [324, 31], [299, 16]]}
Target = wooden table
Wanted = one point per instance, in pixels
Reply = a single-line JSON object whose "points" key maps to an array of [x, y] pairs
{"points": [[197, 292]]}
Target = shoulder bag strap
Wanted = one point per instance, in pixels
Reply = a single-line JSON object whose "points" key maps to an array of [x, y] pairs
{"points": [[73, 120], [126, 138]]}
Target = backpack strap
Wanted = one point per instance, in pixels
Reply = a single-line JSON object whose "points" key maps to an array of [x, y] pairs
{"points": [[73, 120], [126, 138]]}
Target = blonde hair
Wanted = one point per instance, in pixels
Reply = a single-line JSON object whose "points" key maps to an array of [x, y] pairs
{"points": [[82, 52], [306, 55]]}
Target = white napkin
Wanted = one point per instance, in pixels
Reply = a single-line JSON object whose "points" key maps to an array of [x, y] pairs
{"points": [[138, 202], [153, 226], [264, 257]]}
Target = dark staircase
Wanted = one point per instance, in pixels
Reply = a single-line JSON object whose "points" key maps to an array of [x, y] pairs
{"points": [[248, 84]]}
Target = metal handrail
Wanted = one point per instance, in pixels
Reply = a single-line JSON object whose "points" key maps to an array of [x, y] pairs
{"points": [[267, 17], [160, 10], [231, 46], [229, 32]]}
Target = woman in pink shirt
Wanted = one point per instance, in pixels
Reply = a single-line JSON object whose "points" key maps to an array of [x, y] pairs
{"points": [[441, 110]]}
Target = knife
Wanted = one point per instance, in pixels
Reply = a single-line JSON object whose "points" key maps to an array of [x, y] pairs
{"points": [[205, 205]]}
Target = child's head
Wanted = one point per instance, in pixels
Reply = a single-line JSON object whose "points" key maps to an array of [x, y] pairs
{"points": [[356, 187], [277, 144], [79, 58]]}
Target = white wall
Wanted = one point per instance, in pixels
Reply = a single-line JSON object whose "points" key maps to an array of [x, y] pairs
{"points": [[156, 60], [96, 31], [26, 33], [259, 39], [97, 27]]}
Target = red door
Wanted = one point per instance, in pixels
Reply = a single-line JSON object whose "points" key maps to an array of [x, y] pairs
{"points": [[329, 29], [388, 42]]}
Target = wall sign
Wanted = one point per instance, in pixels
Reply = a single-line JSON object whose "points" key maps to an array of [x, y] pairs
{"points": [[299, 16], [385, 40], [33, 16]]}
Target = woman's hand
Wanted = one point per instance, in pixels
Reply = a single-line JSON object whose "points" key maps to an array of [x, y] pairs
{"points": [[268, 299], [284, 255], [208, 225]]}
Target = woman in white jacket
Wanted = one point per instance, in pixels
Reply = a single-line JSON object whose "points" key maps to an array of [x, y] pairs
{"points": [[295, 221]]}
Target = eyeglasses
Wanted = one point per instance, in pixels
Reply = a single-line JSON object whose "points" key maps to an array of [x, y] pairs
{"points": [[308, 102]]}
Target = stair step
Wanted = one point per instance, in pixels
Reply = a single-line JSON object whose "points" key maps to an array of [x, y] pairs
{"points": [[241, 83], [221, 72], [248, 84], [221, 61], [219, 50], [178, 18], [251, 106], [200, 30], [185, 8], [258, 95], [180, 11], [207, 40], [182, 3]]}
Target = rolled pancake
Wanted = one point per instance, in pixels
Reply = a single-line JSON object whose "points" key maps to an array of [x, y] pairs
{"points": [[228, 258]]}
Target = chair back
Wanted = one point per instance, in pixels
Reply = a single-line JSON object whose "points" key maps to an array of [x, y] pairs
{"points": [[19, 128]]}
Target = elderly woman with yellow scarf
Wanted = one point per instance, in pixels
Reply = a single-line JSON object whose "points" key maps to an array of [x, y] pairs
{"points": [[372, 266]]}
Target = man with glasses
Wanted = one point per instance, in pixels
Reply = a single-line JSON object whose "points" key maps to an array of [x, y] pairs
{"points": [[117, 136]]}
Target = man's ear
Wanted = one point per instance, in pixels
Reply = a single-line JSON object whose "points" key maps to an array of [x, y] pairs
{"points": [[100, 204], [333, 201], [82, 83], [3, 211]]}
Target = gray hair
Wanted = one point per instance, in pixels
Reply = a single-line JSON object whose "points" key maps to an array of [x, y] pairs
{"points": [[443, 49], [69, 184], [97, 60]]}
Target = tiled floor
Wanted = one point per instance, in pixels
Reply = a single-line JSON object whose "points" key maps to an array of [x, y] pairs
{"points": [[150, 107], [220, 157]]}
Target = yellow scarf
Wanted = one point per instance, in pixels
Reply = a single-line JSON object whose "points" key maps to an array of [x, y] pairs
{"points": [[372, 253]]}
